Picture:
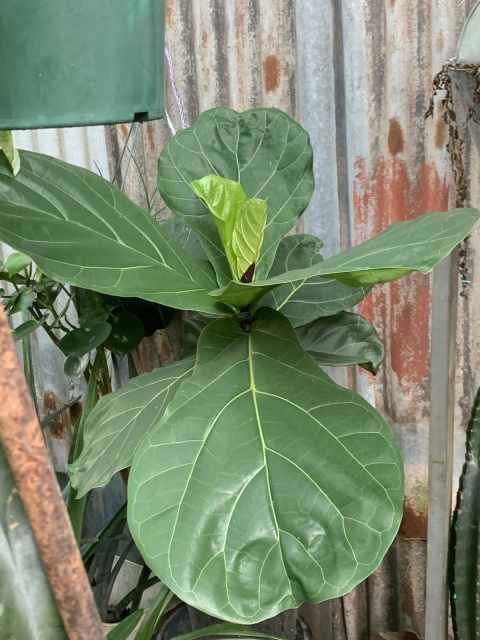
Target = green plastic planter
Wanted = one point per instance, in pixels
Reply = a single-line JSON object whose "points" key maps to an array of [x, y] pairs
{"points": [[80, 62]]}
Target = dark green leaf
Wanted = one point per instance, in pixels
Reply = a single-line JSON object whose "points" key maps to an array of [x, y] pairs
{"points": [[74, 365], [124, 629], [81, 229], [225, 631], [127, 332], [28, 610], [263, 149], [308, 299], [21, 301], [16, 262], [292, 485], [91, 306], [342, 340], [81, 341], [25, 329], [185, 236], [415, 245], [119, 422]]}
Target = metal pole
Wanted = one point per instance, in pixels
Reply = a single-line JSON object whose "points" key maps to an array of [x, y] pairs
{"points": [[444, 322], [22, 441]]}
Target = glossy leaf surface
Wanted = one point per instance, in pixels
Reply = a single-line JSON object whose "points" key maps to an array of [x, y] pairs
{"points": [[81, 229], [28, 610], [119, 421], [342, 340], [263, 149], [81, 341], [247, 236], [415, 245], [311, 298], [292, 485], [11, 153]]}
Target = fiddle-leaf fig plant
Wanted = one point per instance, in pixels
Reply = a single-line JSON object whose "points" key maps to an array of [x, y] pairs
{"points": [[256, 482]]}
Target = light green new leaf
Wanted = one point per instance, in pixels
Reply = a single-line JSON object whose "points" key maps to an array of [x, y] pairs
{"points": [[11, 153], [223, 198], [311, 298], [25, 329], [240, 221], [292, 485], [27, 607], [16, 262], [415, 245], [248, 234], [342, 340], [263, 149], [119, 421], [81, 229]]}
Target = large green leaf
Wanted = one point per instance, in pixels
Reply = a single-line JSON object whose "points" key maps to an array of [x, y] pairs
{"points": [[226, 631], [27, 607], [342, 340], [311, 298], [81, 229], [119, 421], [415, 245], [263, 149], [265, 484]]}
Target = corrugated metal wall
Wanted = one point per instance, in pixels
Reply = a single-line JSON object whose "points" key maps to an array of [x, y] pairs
{"points": [[358, 74]]}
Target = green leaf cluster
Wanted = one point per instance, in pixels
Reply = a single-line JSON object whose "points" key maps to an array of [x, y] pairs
{"points": [[256, 482]]}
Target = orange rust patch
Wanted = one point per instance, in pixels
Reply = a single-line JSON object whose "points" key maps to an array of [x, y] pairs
{"points": [[272, 72], [396, 142], [414, 523], [401, 310], [124, 129], [150, 136], [57, 426], [440, 133], [204, 39], [440, 41]]}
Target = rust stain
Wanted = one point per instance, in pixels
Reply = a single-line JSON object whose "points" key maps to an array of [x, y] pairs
{"points": [[59, 424], [396, 141], [151, 136], [401, 635], [440, 41], [169, 15], [204, 39], [124, 129], [414, 523], [272, 72], [400, 310], [440, 136]]}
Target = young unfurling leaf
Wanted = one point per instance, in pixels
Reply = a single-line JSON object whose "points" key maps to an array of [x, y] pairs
{"points": [[240, 221], [11, 153]]}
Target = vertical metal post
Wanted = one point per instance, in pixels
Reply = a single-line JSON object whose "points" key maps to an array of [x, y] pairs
{"points": [[444, 321]]}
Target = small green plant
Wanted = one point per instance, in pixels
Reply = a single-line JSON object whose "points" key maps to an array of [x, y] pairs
{"points": [[256, 482]]}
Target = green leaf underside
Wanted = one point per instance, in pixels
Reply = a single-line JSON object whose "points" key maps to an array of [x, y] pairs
{"points": [[342, 340], [263, 149], [414, 245], [308, 299], [292, 484], [466, 565], [80, 229], [118, 423]]}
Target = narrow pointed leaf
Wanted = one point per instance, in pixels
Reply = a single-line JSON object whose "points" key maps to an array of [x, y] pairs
{"points": [[11, 153], [25, 329], [153, 617], [263, 149], [342, 340], [124, 629], [81, 229], [311, 298], [292, 484], [118, 423], [415, 245]]}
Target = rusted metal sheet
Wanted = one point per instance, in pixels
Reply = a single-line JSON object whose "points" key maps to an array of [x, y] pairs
{"points": [[23, 444]]}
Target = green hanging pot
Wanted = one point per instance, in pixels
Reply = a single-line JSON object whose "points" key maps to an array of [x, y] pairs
{"points": [[80, 62]]}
